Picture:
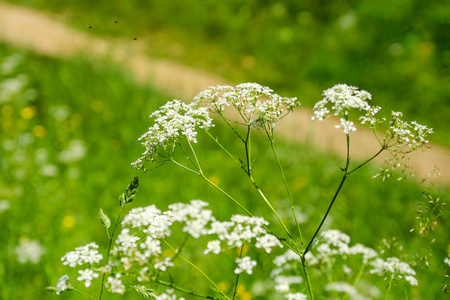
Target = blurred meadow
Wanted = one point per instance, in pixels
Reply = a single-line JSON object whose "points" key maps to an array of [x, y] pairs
{"points": [[69, 129]]}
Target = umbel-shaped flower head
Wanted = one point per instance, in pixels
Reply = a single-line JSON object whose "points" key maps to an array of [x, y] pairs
{"points": [[173, 121], [257, 105], [343, 100]]}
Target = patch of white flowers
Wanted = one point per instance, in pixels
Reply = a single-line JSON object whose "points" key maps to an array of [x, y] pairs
{"points": [[330, 254], [137, 252], [29, 251], [257, 105], [173, 121], [393, 268], [343, 101]]}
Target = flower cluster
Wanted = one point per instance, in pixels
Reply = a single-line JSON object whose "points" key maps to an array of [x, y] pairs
{"points": [[62, 285], [87, 254], [393, 268], [138, 253], [245, 264], [331, 252], [257, 105], [29, 251], [342, 99], [173, 121], [412, 135]]}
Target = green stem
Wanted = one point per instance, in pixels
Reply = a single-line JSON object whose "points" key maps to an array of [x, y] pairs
{"points": [[248, 151], [225, 193], [183, 290], [224, 149], [307, 278], [198, 269], [86, 294], [111, 237], [195, 156], [184, 167], [311, 242], [237, 276], [388, 291], [287, 190], [367, 161], [272, 209]]}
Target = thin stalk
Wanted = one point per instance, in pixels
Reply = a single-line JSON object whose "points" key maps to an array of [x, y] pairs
{"points": [[224, 149], [195, 157], [184, 167], [367, 161], [388, 289], [310, 244], [308, 280], [271, 208], [237, 276], [248, 151], [229, 125], [109, 250], [225, 193], [287, 190], [86, 294], [198, 269], [183, 290]]}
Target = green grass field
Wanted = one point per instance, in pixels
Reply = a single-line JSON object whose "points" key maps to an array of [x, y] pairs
{"points": [[55, 186]]}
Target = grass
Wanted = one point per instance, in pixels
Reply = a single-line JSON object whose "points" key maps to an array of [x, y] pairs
{"points": [[399, 50], [100, 105]]}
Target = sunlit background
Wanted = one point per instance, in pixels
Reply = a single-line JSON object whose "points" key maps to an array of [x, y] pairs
{"points": [[69, 126]]}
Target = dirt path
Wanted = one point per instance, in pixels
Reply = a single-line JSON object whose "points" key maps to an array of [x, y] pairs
{"points": [[40, 32]]}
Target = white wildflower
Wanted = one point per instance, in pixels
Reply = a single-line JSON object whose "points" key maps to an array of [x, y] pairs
{"points": [[342, 98], [256, 104], [87, 275], [115, 285], [296, 296], [140, 216], [164, 264], [283, 283], [285, 258], [75, 151], [447, 260], [151, 247], [63, 285], [4, 205], [29, 251], [159, 226], [87, 254], [393, 268], [213, 246], [49, 170], [245, 264], [343, 287], [169, 295], [336, 237], [173, 121], [10, 63], [347, 126], [367, 253], [267, 242], [125, 240], [412, 135]]}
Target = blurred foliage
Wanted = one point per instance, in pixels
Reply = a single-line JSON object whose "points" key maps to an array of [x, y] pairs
{"points": [[399, 50], [69, 133]]}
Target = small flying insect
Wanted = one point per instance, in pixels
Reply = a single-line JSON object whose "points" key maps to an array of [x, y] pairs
{"points": [[116, 21], [135, 38], [89, 26]]}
